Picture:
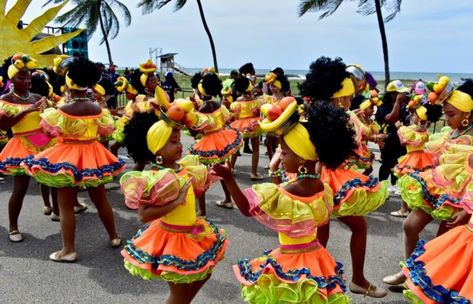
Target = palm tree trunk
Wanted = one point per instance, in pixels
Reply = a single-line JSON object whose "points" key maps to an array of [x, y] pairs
{"points": [[105, 38], [207, 30], [382, 31]]}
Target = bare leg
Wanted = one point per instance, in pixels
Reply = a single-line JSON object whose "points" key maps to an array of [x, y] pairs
{"points": [[104, 209], [359, 230], [228, 197], [255, 156], [68, 218], [269, 146], [233, 160], [20, 186], [178, 293], [413, 225], [44, 190], [194, 288], [54, 199], [323, 234]]}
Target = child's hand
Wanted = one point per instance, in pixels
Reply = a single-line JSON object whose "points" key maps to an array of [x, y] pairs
{"points": [[181, 199], [222, 170], [459, 218], [39, 105]]}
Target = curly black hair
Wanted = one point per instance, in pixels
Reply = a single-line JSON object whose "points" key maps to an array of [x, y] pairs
{"points": [[241, 84], [247, 68], [467, 87], [331, 133], [195, 80], [135, 136], [135, 81], [211, 84], [325, 77], [83, 72], [434, 112], [39, 84]]}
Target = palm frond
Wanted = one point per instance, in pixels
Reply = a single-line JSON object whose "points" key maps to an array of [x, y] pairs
{"points": [[179, 4], [149, 6], [122, 9], [306, 6]]}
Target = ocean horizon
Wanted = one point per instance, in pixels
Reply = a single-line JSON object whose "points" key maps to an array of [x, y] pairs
{"points": [[378, 75]]}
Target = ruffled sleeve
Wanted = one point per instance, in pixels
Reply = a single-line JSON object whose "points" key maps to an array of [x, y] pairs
{"points": [[7, 109], [149, 187], [106, 123], [276, 209], [226, 114], [201, 178], [52, 122], [410, 136]]}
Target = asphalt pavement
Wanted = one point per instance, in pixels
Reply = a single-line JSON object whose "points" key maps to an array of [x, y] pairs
{"points": [[27, 276]]}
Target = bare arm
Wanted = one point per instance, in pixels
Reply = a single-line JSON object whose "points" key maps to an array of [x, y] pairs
{"points": [[7, 122], [395, 113], [240, 199]]}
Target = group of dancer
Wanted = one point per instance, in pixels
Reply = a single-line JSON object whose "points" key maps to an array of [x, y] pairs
{"points": [[320, 166]]}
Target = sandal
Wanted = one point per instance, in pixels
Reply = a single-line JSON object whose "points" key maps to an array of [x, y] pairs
{"points": [[79, 209], [224, 204], [59, 257], [15, 236], [116, 242], [47, 210], [371, 291], [256, 177], [399, 213]]}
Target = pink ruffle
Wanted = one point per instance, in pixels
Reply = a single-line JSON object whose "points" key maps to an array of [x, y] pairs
{"points": [[52, 130], [288, 227], [105, 129]]}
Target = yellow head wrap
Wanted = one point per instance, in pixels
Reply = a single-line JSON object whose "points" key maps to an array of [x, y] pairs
{"points": [[60, 64], [249, 88], [147, 69], [348, 89], [298, 140], [99, 89], [158, 135], [277, 84], [72, 86], [422, 112], [270, 77], [461, 101], [21, 62], [123, 84], [368, 102], [201, 89]]}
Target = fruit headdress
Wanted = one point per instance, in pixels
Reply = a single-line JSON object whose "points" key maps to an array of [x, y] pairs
{"points": [[122, 84], [372, 100], [444, 91], [147, 68], [21, 62]]}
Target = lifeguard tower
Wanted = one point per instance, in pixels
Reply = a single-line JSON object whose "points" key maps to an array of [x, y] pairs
{"points": [[168, 64]]}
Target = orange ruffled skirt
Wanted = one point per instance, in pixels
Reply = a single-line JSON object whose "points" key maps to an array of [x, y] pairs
{"points": [[355, 194], [217, 147], [308, 275], [413, 161], [441, 271], [17, 150], [73, 164], [160, 252], [248, 127]]}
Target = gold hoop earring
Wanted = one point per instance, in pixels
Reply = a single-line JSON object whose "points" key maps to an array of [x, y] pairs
{"points": [[159, 160], [302, 169], [465, 122]]}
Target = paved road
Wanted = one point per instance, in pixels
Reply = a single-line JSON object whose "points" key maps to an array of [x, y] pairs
{"points": [[26, 274]]}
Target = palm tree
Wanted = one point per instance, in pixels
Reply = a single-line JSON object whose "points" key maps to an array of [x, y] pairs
{"points": [[150, 5], [93, 13], [365, 8]]}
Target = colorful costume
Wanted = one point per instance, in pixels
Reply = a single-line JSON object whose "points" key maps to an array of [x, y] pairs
{"points": [[218, 143], [437, 191], [177, 247], [28, 138], [77, 159], [139, 105], [441, 271], [300, 270], [416, 158], [246, 122], [363, 158]]}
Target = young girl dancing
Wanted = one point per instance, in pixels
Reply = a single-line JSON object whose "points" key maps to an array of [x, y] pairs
{"points": [[217, 143], [355, 194], [436, 193], [175, 246], [20, 111], [301, 270], [77, 159], [246, 112]]}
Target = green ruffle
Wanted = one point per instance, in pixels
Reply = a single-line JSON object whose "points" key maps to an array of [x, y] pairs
{"points": [[362, 202], [167, 276], [270, 290], [14, 171], [65, 180], [412, 193], [411, 297]]}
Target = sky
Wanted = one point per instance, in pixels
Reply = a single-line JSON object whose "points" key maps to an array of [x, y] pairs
{"points": [[427, 36]]}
